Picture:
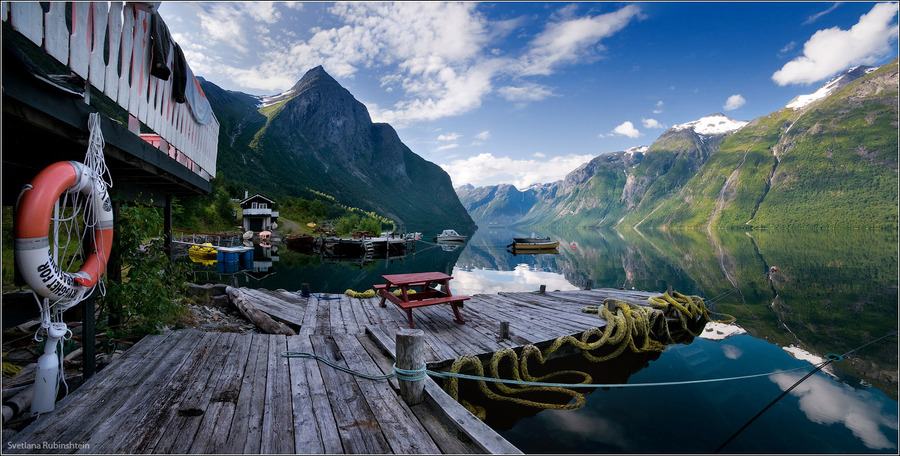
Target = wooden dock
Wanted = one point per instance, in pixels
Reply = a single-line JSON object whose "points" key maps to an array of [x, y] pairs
{"points": [[189, 391]]}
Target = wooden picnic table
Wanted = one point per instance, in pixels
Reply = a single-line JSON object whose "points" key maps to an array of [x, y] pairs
{"points": [[428, 296]]}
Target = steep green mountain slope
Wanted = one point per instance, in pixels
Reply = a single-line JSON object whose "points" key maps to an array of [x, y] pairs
{"points": [[317, 137], [830, 164]]}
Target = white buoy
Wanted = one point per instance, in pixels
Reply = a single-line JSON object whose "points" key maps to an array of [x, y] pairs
{"points": [[46, 382]]}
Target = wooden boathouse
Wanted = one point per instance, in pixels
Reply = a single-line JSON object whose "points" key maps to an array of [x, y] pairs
{"points": [[63, 62], [190, 391]]}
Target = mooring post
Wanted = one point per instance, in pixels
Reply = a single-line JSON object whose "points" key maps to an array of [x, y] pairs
{"points": [[588, 285], [543, 289], [411, 357], [504, 329]]}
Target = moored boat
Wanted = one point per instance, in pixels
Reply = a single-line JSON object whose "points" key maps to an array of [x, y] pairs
{"points": [[530, 240], [205, 251], [541, 246], [450, 236]]}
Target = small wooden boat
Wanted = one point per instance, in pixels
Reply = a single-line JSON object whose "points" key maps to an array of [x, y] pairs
{"points": [[541, 246], [530, 240], [298, 240]]}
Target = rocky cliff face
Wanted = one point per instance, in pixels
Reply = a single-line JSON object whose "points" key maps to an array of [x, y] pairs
{"points": [[317, 136]]}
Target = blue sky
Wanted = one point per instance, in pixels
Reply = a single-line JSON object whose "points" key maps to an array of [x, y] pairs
{"points": [[525, 92]]}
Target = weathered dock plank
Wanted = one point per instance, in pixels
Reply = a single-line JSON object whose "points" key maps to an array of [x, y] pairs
{"points": [[480, 433], [277, 424], [52, 427], [314, 425], [245, 436], [403, 432], [216, 425], [356, 423]]}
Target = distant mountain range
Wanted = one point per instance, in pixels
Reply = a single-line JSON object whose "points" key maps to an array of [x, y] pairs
{"points": [[826, 160], [316, 138]]}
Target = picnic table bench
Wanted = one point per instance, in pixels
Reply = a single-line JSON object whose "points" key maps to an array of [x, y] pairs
{"points": [[428, 296]]}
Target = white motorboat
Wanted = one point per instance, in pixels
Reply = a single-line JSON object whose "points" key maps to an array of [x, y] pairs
{"points": [[450, 236]]}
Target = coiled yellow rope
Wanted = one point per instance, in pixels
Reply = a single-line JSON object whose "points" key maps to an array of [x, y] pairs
{"points": [[370, 293], [10, 369], [628, 326]]}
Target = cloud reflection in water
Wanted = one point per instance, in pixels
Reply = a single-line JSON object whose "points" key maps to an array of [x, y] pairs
{"points": [[825, 401]]}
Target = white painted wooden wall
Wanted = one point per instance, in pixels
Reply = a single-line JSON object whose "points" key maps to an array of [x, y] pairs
{"points": [[144, 96]]}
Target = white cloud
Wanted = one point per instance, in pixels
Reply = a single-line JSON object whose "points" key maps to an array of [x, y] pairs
{"points": [[816, 16], [627, 129], [438, 59], [262, 11], [573, 40], [539, 155], [832, 50], [446, 147], [659, 106], [485, 169], [450, 137], [652, 123], [484, 135], [733, 102], [525, 92]]}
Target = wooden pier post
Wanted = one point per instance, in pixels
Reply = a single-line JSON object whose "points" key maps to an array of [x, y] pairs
{"points": [[543, 289], [411, 356], [589, 284], [504, 329]]}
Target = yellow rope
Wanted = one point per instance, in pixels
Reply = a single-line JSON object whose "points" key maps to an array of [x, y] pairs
{"points": [[628, 326], [370, 293], [11, 370]]}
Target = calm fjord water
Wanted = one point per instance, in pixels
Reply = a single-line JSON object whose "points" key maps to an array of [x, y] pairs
{"points": [[830, 293]]}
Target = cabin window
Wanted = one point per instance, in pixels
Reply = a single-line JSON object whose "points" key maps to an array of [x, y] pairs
{"points": [[254, 205]]}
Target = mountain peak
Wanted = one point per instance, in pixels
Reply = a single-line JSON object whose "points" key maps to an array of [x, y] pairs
{"points": [[315, 76], [713, 124], [829, 87]]}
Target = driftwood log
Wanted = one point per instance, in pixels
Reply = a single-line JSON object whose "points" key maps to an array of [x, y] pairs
{"points": [[259, 318], [17, 404]]}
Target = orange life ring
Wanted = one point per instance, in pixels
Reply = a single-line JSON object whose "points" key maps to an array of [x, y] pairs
{"points": [[32, 240]]}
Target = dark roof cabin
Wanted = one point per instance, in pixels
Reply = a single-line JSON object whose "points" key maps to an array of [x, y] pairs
{"points": [[63, 61], [257, 213]]}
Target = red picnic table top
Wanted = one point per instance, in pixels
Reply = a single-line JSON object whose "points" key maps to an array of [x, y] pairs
{"points": [[415, 277], [429, 296]]}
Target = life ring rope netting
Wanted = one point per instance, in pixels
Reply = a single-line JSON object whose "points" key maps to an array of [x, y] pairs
{"points": [[74, 224], [628, 327]]}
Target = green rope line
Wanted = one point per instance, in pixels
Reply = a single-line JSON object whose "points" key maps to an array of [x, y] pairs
{"points": [[421, 373], [401, 374]]}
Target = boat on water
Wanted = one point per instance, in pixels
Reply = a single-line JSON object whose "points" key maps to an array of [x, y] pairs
{"points": [[298, 240], [530, 240], [205, 251], [450, 236], [541, 246]]}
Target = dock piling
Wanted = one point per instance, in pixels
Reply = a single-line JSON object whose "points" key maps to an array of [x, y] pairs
{"points": [[504, 329], [411, 356]]}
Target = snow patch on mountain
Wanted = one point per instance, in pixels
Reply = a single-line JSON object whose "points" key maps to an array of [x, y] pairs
{"points": [[829, 87], [637, 149], [715, 124]]}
